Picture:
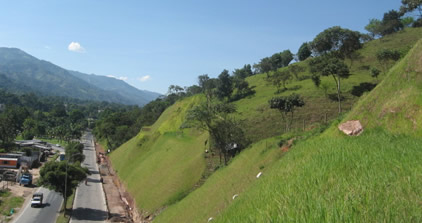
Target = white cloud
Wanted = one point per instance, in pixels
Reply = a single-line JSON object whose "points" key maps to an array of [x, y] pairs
{"points": [[144, 78], [76, 47], [119, 78]]}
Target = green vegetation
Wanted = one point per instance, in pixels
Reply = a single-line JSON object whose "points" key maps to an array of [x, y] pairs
{"points": [[55, 141], [23, 73], [163, 160], [395, 104], [167, 163], [371, 178], [116, 125], [7, 202], [217, 192], [318, 177], [62, 177], [52, 119], [64, 216]]}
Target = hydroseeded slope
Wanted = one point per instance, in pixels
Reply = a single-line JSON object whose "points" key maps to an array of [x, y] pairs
{"points": [[375, 177], [162, 163]]}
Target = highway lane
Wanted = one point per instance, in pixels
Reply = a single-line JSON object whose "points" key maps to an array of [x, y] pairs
{"points": [[89, 204], [47, 213]]}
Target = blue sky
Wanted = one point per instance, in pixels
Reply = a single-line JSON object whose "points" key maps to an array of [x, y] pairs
{"points": [[153, 44]]}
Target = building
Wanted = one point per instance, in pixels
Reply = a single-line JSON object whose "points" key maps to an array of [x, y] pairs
{"points": [[9, 162]]}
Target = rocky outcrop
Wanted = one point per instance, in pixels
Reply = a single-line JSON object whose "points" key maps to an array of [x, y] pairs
{"points": [[351, 128]]}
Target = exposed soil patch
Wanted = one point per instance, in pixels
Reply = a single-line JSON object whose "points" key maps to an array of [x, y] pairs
{"points": [[120, 204]]}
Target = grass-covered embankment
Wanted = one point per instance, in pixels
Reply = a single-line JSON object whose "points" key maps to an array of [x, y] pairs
{"points": [[163, 163], [375, 177], [218, 191], [262, 122]]}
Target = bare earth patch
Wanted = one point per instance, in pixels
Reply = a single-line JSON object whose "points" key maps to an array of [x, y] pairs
{"points": [[120, 204]]}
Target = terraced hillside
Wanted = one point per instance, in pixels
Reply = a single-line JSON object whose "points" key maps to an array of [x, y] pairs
{"points": [[162, 164]]}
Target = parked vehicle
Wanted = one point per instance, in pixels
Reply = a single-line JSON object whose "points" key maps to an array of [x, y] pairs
{"points": [[26, 179], [36, 200]]}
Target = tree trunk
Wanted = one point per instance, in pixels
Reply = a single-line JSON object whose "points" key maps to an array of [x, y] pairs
{"points": [[220, 156], [337, 79], [338, 95]]}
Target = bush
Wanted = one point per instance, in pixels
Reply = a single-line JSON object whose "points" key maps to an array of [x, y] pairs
{"points": [[362, 88], [417, 23]]}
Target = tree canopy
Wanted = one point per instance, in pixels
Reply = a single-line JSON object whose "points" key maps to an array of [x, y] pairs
{"points": [[304, 51], [391, 22], [336, 40], [411, 5], [224, 130], [287, 104], [329, 65], [276, 61], [53, 176], [224, 85]]}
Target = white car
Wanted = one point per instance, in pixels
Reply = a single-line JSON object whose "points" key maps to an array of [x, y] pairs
{"points": [[36, 200]]}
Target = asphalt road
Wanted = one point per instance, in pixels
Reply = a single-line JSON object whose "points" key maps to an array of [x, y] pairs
{"points": [[47, 213], [89, 204]]}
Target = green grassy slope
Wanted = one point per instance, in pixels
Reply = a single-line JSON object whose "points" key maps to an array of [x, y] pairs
{"points": [[262, 122], [218, 190], [162, 163], [375, 177], [396, 103]]}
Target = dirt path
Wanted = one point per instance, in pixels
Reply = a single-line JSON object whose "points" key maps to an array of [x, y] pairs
{"points": [[120, 204]]}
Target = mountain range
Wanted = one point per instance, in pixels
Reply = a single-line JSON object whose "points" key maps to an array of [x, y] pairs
{"points": [[23, 73]]}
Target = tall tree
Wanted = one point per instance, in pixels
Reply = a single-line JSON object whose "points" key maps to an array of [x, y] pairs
{"points": [[374, 28], [62, 177], [207, 85], [225, 85], [74, 152], [244, 72], [411, 5], [264, 66], [304, 51], [280, 78], [286, 105], [222, 128], [391, 23], [386, 56], [329, 65], [295, 70], [337, 40]]}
